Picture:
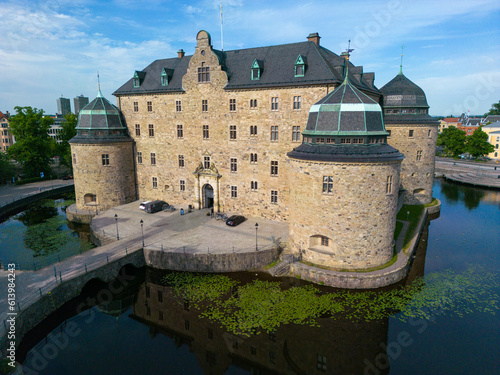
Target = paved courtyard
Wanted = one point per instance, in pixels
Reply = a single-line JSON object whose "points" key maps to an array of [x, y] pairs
{"points": [[192, 232]]}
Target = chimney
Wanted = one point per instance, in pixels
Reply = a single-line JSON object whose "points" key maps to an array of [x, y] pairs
{"points": [[180, 53], [314, 37]]}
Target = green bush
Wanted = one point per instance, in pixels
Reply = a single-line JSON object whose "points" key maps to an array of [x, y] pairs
{"points": [[29, 180]]}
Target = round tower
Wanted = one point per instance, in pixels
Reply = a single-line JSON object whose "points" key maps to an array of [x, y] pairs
{"points": [[344, 184], [414, 133], [103, 158]]}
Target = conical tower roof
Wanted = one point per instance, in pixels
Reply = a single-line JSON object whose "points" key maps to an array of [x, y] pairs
{"points": [[100, 122], [345, 125]]}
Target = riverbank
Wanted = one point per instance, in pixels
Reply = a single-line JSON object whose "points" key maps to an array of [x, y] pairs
{"points": [[471, 173]]}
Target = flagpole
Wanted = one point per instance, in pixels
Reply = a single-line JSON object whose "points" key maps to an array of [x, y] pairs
{"points": [[221, 34]]}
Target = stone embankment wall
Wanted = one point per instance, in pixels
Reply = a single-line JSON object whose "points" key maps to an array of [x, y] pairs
{"points": [[196, 262]]}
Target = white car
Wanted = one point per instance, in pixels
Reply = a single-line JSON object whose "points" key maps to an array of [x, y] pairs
{"points": [[142, 206]]}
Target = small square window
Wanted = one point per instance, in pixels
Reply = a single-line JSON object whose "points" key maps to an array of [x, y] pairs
{"points": [[253, 130], [327, 184], [253, 103], [410, 133], [105, 159]]}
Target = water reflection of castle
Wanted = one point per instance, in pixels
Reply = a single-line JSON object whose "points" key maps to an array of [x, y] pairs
{"points": [[336, 347]]}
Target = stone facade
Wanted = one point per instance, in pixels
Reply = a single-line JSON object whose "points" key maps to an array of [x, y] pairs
{"points": [[418, 143], [104, 186], [352, 227]]}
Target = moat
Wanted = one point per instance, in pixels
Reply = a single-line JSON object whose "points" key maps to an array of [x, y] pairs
{"points": [[152, 324]]}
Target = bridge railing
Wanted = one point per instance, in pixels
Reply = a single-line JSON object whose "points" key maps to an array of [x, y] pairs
{"points": [[12, 199]]}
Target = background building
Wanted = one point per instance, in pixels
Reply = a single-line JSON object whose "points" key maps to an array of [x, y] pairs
{"points": [[79, 102], [63, 106], [7, 139]]}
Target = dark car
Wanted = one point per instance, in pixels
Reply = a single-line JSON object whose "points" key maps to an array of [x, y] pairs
{"points": [[235, 220], [67, 177], [154, 206]]}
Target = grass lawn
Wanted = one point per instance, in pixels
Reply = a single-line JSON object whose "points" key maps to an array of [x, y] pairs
{"points": [[411, 214]]}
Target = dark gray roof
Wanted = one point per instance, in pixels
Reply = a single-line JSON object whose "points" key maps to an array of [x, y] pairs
{"points": [[278, 62], [100, 122], [401, 92], [493, 125], [352, 153], [492, 118], [345, 111]]}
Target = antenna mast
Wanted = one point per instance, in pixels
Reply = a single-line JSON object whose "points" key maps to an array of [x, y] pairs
{"points": [[221, 33], [401, 64]]}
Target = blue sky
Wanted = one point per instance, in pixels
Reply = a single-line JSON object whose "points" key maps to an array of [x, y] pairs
{"points": [[54, 47]]}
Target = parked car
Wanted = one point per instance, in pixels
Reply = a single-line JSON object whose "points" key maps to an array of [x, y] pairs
{"points": [[67, 177], [154, 206], [142, 206], [235, 220]]}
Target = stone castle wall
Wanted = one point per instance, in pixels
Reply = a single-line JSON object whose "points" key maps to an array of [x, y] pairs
{"points": [[417, 176], [358, 217], [112, 184]]}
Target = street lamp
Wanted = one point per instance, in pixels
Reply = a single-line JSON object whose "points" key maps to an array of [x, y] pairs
{"points": [[116, 221], [256, 228], [142, 230]]}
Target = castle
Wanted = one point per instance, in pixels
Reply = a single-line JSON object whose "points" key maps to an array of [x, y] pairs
{"points": [[291, 132]]}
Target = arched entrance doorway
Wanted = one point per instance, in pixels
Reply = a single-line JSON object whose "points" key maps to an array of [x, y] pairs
{"points": [[208, 196]]}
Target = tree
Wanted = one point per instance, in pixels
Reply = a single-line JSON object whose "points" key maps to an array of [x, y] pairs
{"points": [[453, 141], [68, 131], [477, 144], [7, 170], [494, 110], [33, 144]]}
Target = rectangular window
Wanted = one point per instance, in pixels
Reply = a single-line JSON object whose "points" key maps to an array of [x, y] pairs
{"points": [[410, 133], [105, 159], [206, 162], [139, 157], [297, 102], [358, 140], [148, 292], [160, 315], [186, 325], [274, 133], [204, 105], [296, 134], [274, 196], [327, 184], [253, 130], [253, 158], [253, 185], [206, 133], [148, 311], [253, 350], [74, 158], [151, 130], [274, 168], [253, 103], [155, 182], [181, 161], [150, 107], [419, 155], [388, 186], [178, 106], [234, 165], [136, 106], [210, 334], [182, 185], [160, 296], [232, 132], [180, 131], [345, 140], [234, 191], [429, 133], [274, 104], [321, 363], [204, 73], [324, 241], [232, 105], [137, 130], [153, 158]]}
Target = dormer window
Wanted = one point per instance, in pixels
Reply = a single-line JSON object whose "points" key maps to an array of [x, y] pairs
{"points": [[138, 78], [300, 66], [164, 77], [257, 68]]}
